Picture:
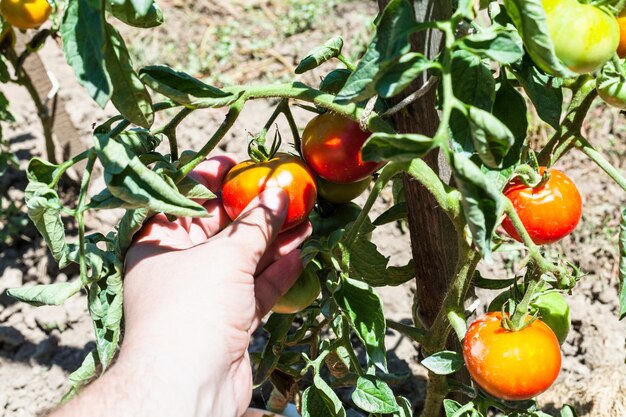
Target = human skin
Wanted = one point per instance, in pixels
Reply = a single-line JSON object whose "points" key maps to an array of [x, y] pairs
{"points": [[194, 291]]}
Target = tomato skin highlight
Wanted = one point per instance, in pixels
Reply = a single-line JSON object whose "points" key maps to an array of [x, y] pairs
{"points": [[248, 179], [331, 147], [302, 294], [509, 365], [549, 212], [585, 37], [341, 193], [25, 14]]}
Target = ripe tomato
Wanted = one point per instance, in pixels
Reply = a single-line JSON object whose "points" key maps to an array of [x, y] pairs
{"points": [[341, 193], [552, 307], [511, 365], [25, 14], [621, 21], [301, 294], [331, 146], [585, 37], [248, 179], [549, 212]]}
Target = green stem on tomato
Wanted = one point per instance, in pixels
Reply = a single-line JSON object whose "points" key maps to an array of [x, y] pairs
{"points": [[345, 61], [565, 137], [519, 319], [295, 133], [229, 120], [169, 130], [585, 147]]}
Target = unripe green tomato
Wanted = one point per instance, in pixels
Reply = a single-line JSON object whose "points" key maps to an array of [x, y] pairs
{"points": [[611, 87], [553, 310], [302, 294], [341, 193], [339, 218], [585, 37]]}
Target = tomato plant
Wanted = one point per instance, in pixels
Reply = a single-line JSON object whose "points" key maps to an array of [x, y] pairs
{"points": [[249, 178], [331, 146], [302, 294], [511, 365], [549, 211], [584, 36], [25, 14]]}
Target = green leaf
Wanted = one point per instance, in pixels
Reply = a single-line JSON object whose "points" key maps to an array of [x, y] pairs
{"points": [[372, 266], [393, 214], [44, 209], [530, 19], [492, 138], [568, 411], [138, 141], [390, 42], [497, 44], [373, 395], [130, 96], [405, 408], [358, 301], [129, 225], [142, 6], [125, 11], [5, 114], [277, 326], [481, 201], [510, 108], [184, 89], [444, 363], [491, 284], [334, 81], [544, 91], [128, 179], [51, 294], [84, 42], [454, 409], [622, 266], [316, 57], [402, 73], [82, 376], [400, 147], [42, 171], [319, 403]]}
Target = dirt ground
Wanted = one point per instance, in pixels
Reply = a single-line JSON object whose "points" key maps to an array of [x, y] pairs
{"points": [[250, 40]]}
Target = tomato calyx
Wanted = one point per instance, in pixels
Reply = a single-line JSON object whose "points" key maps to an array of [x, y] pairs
{"points": [[258, 151], [517, 317], [531, 176]]}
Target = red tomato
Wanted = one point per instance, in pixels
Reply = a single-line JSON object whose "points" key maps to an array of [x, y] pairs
{"points": [[331, 146], [248, 179], [549, 212], [511, 365]]}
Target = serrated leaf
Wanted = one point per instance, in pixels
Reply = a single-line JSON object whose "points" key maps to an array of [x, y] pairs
{"points": [[50, 294], [374, 396], [130, 96], [400, 147], [184, 89], [316, 57], [358, 301], [84, 42], [444, 363]]}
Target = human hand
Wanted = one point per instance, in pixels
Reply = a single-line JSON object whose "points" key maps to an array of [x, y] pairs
{"points": [[194, 291]]}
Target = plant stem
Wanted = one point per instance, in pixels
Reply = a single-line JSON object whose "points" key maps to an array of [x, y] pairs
{"points": [[229, 120], [565, 137], [585, 147], [345, 61], [295, 133], [80, 214], [169, 130]]}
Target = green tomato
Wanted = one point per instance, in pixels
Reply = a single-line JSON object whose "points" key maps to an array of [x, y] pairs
{"points": [[302, 294], [611, 86], [341, 193], [585, 37], [552, 307]]}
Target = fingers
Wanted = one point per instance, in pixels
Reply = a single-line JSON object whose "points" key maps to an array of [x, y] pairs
{"points": [[274, 282], [211, 172], [256, 228], [285, 243]]}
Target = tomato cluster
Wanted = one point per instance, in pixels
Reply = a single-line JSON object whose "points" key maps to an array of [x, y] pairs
{"points": [[332, 167]]}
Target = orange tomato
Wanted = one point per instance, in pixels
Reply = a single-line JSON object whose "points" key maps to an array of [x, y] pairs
{"points": [[248, 179], [511, 365], [25, 14], [549, 212], [621, 21]]}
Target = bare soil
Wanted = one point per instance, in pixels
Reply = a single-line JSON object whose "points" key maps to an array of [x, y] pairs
{"points": [[248, 41]]}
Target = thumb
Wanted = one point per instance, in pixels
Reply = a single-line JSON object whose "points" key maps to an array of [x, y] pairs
{"points": [[257, 227]]}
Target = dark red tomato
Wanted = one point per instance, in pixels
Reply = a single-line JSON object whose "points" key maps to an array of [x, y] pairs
{"points": [[248, 179], [511, 365], [549, 212], [331, 146]]}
